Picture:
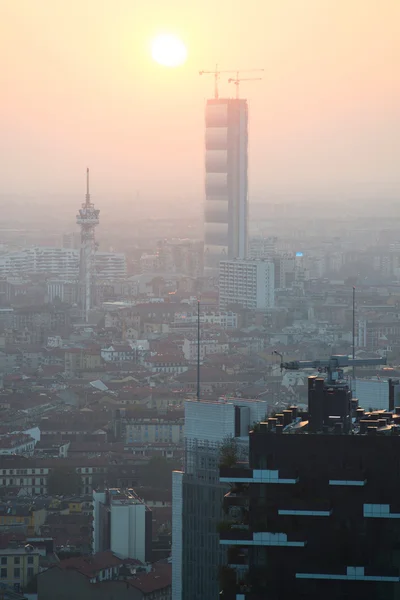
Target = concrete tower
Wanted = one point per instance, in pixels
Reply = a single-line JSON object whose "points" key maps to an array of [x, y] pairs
{"points": [[87, 218], [226, 163]]}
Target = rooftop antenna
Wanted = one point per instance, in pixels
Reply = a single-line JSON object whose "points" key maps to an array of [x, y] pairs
{"points": [[87, 187], [354, 333], [236, 80], [198, 351]]}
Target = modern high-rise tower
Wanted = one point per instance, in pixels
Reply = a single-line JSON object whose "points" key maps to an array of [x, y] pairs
{"points": [[226, 160], [87, 218]]}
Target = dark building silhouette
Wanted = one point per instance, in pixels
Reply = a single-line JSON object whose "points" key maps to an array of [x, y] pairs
{"points": [[317, 513]]}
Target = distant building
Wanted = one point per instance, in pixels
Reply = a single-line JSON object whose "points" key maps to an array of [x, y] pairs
{"points": [[249, 283], [94, 577], [156, 430], [60, 262], [226, 161], [122, 522], [18, 566], [262, 247], [17, 443]]}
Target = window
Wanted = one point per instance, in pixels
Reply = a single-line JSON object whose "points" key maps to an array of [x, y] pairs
{"points": [[29, 572], [30, 560], [17, 573], [4, 560], [17, 560], [3, 573]]}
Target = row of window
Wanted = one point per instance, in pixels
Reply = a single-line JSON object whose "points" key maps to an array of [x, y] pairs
{"points": [[22, 471], [22, 482], [17, 560], [17, 573]]}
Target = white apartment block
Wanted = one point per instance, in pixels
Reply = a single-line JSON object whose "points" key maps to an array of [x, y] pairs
{"points": [[250, 283], [122, 522], [155, 430], [62, 262], [224, 319]]}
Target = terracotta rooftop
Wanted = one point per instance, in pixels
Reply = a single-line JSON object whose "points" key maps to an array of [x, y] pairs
{"points": [[159, 578], [91, 565]]}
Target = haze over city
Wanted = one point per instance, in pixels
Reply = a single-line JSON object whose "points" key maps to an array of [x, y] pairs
{"points": [[79, 87]]}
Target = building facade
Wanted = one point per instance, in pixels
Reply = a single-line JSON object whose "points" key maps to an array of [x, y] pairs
{"points": [[18, 566], [226, 163], [197, 493], [250, 283], [316, 513], [122, 522]]}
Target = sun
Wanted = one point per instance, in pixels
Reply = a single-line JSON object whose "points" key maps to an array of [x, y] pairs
{"points": [[168, 50]]}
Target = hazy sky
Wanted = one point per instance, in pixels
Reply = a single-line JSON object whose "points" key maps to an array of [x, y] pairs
{"points": [[79, 87]]}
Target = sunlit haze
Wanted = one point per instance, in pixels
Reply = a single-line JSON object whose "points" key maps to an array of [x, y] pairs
{"points": [[80, 86], [169, 51]]}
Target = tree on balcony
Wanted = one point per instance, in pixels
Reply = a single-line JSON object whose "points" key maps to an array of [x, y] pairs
{"points": [[228, 453]]}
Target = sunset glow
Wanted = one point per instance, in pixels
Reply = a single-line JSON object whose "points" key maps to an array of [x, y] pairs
{"points": [[169, 51]]}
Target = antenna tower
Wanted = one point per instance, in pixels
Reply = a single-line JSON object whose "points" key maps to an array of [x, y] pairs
{"points": [[87, 218]]}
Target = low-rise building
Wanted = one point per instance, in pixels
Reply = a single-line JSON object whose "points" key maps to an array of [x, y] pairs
{"points": [[18, 566], [161, 429], [17, 443]]}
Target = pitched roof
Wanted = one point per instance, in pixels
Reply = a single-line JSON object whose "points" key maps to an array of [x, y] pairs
{"points": [[91, 565], [159, 578]]}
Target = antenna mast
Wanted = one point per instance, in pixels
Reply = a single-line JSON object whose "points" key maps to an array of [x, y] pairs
{"points": [[198, 350]]}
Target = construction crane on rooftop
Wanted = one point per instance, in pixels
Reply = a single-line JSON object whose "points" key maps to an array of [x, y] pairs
{"points": [[332, 367], [236, 80], [217, 74]]}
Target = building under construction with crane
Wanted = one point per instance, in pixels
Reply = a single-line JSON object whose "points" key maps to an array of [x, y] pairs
{"points": [[226, 175], [87, 218]]}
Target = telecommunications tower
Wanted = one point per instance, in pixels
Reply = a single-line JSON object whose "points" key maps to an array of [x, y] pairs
{"points": [[87, 218]]}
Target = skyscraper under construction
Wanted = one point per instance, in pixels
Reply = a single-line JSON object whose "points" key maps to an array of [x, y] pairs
{"points": [[226, 164]]}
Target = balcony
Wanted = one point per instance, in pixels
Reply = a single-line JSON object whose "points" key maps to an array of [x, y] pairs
{"points": [[243, 537], [238, 474]]}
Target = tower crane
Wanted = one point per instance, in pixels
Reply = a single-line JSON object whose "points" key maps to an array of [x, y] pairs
{"points": [[217, 74], [236, 80], [332, 367]]}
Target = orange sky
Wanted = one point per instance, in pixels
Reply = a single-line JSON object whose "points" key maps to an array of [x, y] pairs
{"points": [[78, 87]]}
